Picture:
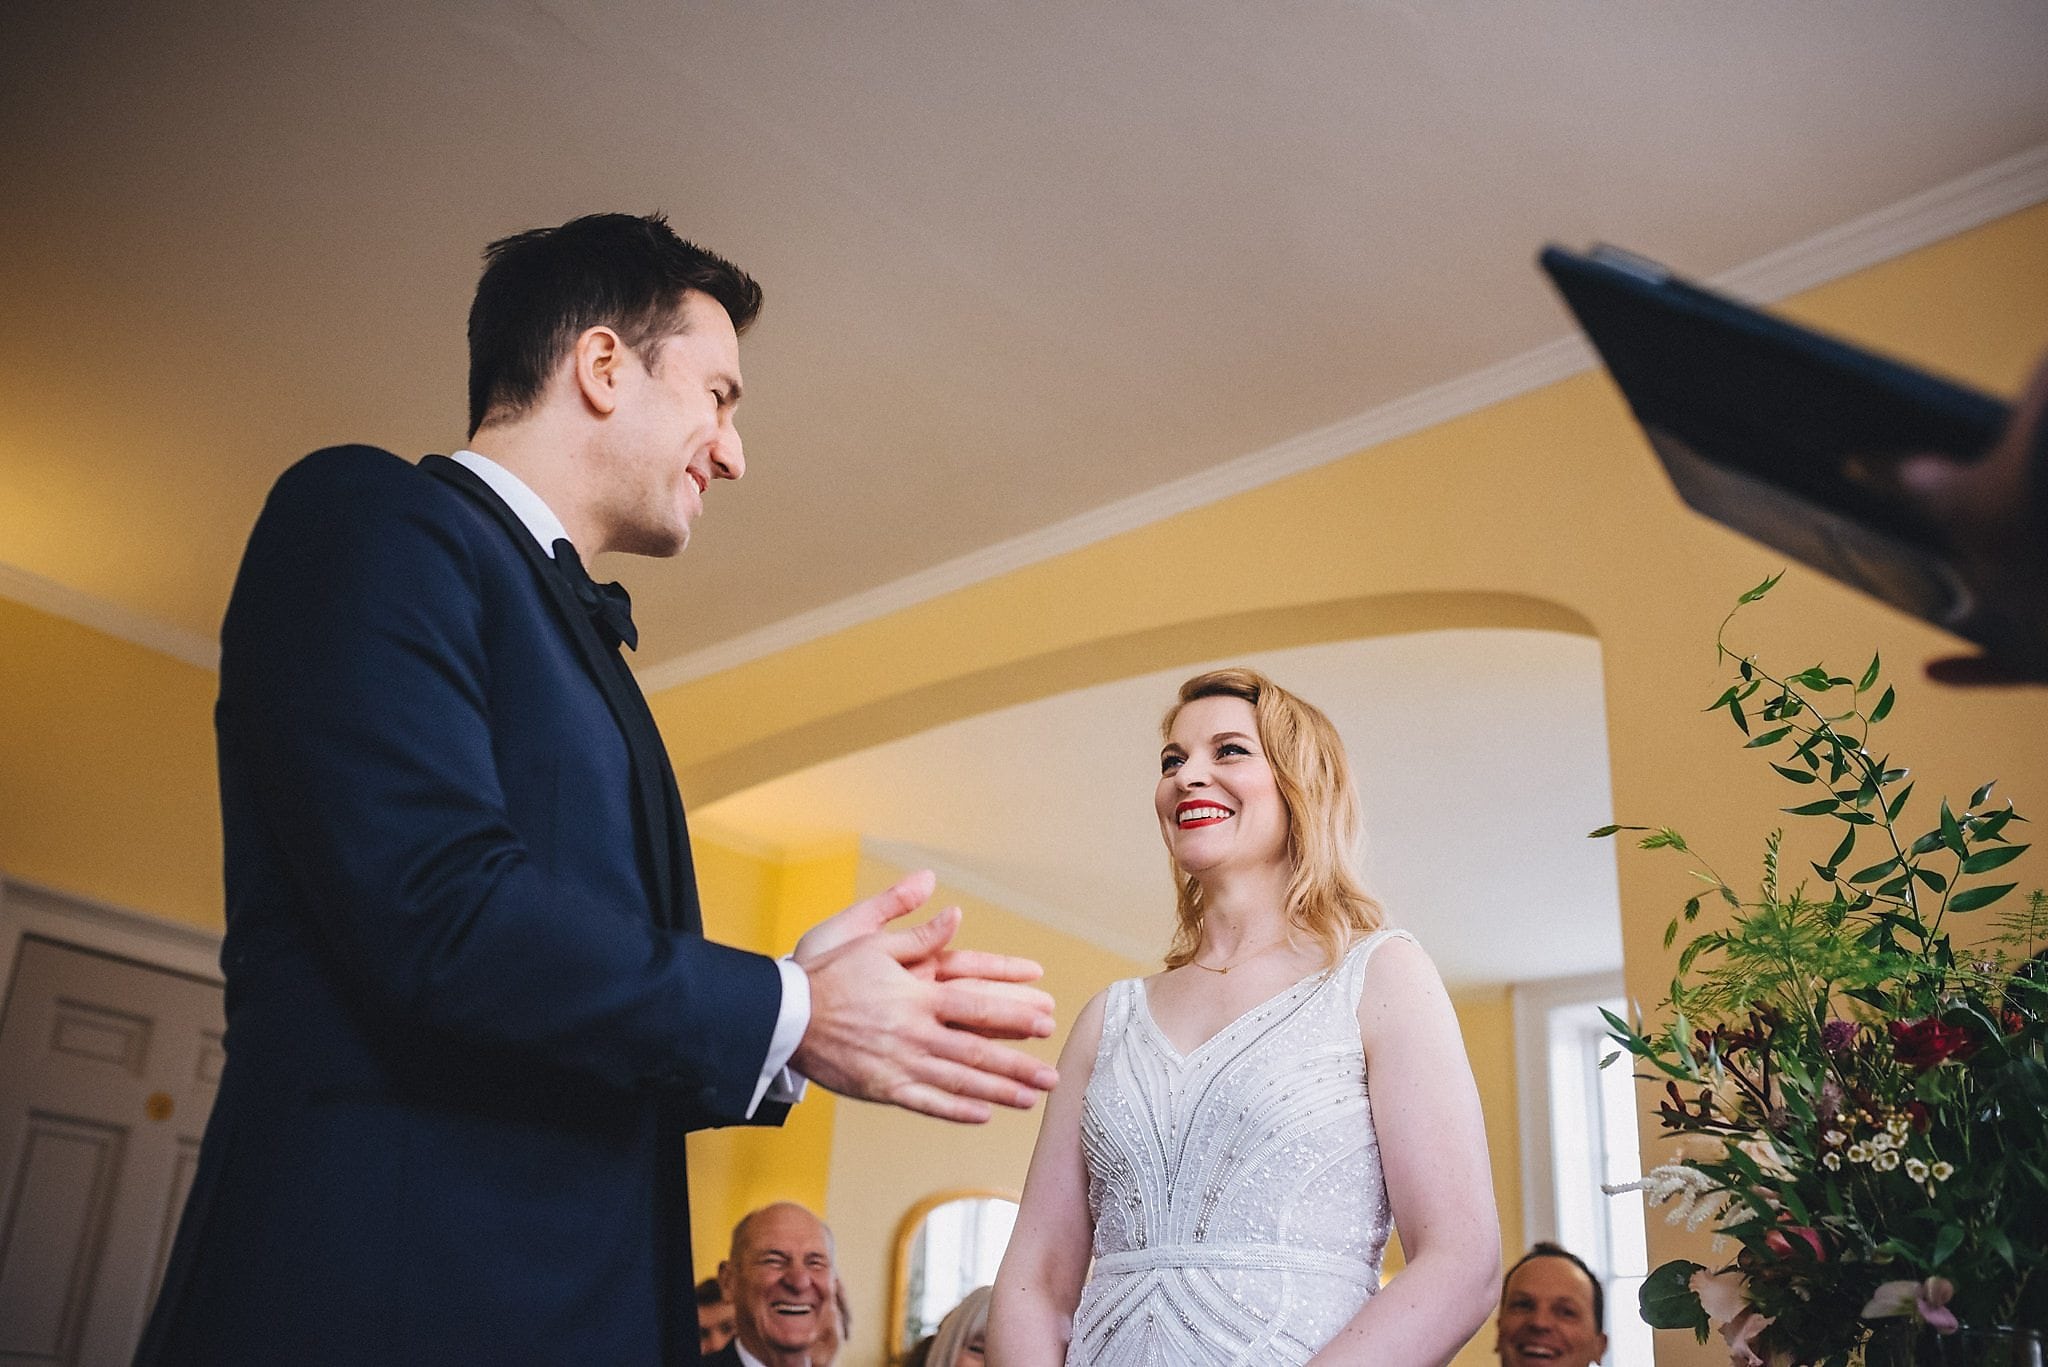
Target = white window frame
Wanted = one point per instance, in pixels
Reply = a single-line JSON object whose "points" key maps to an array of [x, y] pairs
{"points": [[1541, 1093]]}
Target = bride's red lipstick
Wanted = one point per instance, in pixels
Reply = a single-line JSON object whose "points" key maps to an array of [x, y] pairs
{"points": [[1200, 804]]}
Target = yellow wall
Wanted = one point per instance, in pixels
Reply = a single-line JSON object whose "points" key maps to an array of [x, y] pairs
{"points": [[764, 901], [106, 769]]}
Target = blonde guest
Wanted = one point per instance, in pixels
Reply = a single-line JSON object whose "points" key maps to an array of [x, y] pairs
{"points": [[1233, 1139], [961, 1338]]}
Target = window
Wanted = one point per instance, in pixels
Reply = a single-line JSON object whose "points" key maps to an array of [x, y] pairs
{"points": [[1578, 1134]]}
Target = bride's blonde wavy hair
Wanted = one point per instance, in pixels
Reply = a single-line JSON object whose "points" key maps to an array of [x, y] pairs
{"points": [[1325, 900]]}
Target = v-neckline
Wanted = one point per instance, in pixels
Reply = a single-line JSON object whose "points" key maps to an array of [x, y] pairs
{"points": [[1174, 1051]]}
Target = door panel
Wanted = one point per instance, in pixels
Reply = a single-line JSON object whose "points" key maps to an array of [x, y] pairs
{"points": [[108, 1069]]}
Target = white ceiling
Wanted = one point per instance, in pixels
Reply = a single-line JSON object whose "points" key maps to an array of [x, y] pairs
{"points": [[1022, 260], [1481, 758]]}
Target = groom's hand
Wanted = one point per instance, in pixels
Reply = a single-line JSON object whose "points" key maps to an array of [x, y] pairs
{"points": [[898, 1017], [908, 894]]}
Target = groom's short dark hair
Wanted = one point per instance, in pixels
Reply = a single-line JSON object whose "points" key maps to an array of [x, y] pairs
{"points": [[542, 288]]}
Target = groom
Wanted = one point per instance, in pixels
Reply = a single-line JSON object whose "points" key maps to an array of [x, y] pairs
{"points": [[471, 1013]]}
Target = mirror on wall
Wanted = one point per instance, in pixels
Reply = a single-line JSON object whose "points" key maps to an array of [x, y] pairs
{"points": [[949, 1243]]}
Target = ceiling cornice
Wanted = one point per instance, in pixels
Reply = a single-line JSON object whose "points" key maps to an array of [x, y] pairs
{"points": [[109, 619]]}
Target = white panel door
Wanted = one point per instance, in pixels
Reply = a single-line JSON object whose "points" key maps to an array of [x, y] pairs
{"points": [[107, 1071]]}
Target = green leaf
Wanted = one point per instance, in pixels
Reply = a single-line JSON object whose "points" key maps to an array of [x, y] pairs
{"points": [[1692, 910], [1663, 838], [1945, 1244], [1874, 872], [1979, 897], [1842, 850], [1931, 879], [1667, 1299], [1898, 803], [1796, 775], [1735, 711], [1951, 833], [1728, 895], [1759, 591], [1977, 798], [1606, 831], [1891, 776], [1768, 738], [1983, 861], [1671, 933], [1884, 706], [1820, 808], [1869, 678], [1926, 844]]}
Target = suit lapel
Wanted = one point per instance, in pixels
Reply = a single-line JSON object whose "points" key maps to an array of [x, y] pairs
{"points": [[667, 836]]}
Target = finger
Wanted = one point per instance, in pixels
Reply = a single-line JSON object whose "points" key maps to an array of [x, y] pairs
{"points": [[980, 963], [941, 1105], [1012, 1013], [975, 1084], [921, 942], [993, 1060], [904, 896]]}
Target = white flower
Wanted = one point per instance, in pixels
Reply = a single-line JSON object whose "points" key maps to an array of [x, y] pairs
{"points": [[1831, 1161], [1898, 1125], [1693, 1196], [1916, 1168], [1834, 1139], [1886, 1161], [1859, 1153], [1880, 1141], [1943, 1170]]}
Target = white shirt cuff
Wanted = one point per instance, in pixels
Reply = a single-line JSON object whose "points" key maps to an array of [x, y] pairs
{"points": [[778, 1083]]}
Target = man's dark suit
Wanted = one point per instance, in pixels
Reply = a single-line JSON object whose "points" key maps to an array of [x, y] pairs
{"points": [[470, 1015], [728, 1356]]}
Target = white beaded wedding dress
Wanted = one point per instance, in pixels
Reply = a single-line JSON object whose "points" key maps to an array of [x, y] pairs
{"points": [[1239, 1207]]}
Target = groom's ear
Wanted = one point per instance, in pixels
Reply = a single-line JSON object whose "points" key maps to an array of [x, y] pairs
{"points": [[594, 365], [725, 1280]]}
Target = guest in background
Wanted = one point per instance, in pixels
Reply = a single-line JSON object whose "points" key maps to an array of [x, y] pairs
{"points": [[1552, 1312], [715, 1325], [963, 1333], [780, 1279], [838, 1328]]}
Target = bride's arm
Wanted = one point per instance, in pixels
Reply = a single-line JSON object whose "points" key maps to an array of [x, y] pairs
{"points": [[1432, 1137], [1039, 1283]]}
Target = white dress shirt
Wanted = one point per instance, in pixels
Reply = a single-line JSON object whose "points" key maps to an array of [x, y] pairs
{"points": [[777, 1081]]}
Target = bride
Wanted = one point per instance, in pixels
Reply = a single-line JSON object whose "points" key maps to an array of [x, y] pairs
{"points": [[1233, 1139]]}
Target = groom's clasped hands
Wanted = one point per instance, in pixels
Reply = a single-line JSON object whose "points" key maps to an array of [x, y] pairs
{"points": [[901, 1017]]}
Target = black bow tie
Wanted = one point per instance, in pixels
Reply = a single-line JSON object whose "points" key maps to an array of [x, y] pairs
{"points": [[609, 606]]}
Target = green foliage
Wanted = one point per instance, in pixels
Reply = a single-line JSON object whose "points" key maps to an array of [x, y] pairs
{"points": [[1862, 1100]]}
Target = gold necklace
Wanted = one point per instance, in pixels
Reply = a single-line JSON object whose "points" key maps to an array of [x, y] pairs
{"points": [[1242, 960]]}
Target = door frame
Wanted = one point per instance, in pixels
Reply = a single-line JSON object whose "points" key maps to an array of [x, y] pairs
{"points": [[85, 923]]}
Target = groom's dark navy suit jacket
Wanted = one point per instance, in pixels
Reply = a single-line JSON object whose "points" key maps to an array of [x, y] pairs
{"points": [[470, 1015]]}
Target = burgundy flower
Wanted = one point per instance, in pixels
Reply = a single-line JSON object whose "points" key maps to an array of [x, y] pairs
{"points": [[1921, 1044], [1922, 1119], [1837, 1035], [1800, 1240]]}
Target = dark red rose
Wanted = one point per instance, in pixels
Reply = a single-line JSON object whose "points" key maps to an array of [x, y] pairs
{"points": [[1802, 1240], [1924, 1043], [1921, 1118]]}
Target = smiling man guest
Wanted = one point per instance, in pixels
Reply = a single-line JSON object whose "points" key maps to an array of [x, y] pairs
{"points": [[1551, 1312], [781, 1281], [471, 1014]]}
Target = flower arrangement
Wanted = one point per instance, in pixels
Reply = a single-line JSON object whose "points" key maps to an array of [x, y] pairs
{"points": [[1859, 1101]]}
